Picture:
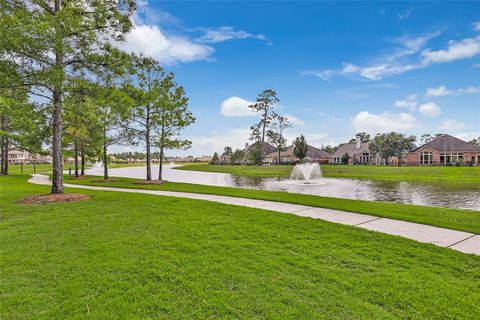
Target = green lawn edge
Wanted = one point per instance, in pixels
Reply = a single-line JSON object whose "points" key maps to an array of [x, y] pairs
{"points": [[140, 256], [457, 219]]}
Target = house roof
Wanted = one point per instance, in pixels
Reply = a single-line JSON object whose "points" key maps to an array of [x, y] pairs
{"points": [[267, 148], [351, 149], [447, 143], [312, 152]]}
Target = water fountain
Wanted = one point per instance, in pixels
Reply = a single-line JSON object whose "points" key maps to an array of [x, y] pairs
{"points": [[306, 172]]}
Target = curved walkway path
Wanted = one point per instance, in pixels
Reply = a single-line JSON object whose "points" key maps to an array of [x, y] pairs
{"points": [[453, 239]]}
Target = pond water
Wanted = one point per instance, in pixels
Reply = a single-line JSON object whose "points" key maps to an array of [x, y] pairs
{"points": [[465, 196]]}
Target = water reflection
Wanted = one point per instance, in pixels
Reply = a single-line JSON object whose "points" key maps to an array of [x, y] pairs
{"points": [[466, 196]]}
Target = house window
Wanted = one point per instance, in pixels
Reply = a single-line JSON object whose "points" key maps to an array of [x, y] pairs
{"points": [[365, 158], [426, 157], [451, 158]]}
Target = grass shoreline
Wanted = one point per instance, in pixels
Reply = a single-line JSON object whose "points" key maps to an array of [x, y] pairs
{"points": [[145, 256], [458, 219]]}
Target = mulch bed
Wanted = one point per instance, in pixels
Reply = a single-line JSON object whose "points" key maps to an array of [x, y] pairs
{"points": [[54, 198], [150, 182]]}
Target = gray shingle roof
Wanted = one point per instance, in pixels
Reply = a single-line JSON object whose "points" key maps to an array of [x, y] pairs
{"points": [[447, 143], [351, 149]]}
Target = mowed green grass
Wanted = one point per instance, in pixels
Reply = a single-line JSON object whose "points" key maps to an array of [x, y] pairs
{"points": [[465, 220], [267, 171], [148, 257]]}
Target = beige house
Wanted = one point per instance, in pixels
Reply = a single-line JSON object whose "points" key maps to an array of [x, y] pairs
{"points": [[358, 153], [16, 156], [444, 150]]}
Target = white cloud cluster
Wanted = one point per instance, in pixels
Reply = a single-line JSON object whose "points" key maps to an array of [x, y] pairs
{"points": [[409, 102], [410, 55], [430, 109], [225, 33], [237, 107], [451, 124], [443, 91], [153, 42], [405, 15], [384, 122], [294, 120]]}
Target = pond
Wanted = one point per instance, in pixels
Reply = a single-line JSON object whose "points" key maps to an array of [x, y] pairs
{"points": [[420, 193]]}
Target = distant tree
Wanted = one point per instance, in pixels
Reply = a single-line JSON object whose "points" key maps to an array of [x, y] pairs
{"points": [[300, 148], [475, 141], [238, 156], [363, 136], [345, 158], [214, 158], [392, 144], [255, 154], [426, 138], [275, 134], [329, 149], [227, 151], [172, 116], [264, 105]]}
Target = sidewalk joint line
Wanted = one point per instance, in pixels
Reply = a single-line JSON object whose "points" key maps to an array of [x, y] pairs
{"points": [[467, 238], [368, 221]]}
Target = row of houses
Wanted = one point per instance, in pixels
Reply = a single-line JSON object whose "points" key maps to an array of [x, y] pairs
{"points": [[444, 150]]}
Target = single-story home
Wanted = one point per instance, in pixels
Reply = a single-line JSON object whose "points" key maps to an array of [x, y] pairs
{"points": [[287, 156], [358, 153], [444, 150], [16, 156]]}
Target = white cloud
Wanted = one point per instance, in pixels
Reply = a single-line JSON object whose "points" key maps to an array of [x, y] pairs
{"points": [[430, 109], [153, 42], [215, 141], [476, 66], [438, 92], [237, 107], [405, 15], [451, 124], [387, 65], [476, 26], [409, 102], [469, 90], [456, 50], [225, 33], [385, 122], [294, 120], [442, 91]]}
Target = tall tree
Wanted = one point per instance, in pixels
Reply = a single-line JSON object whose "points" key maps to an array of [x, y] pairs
{"points": [[172, 116], [275, 134], [264, 105], [227, 151], [300, 148], [392, 144], [51, 40]]}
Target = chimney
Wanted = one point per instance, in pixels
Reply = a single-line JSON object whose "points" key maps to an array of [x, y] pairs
{"points": [[358, 142]]}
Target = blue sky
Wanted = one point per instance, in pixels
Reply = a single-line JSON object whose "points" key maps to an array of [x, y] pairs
{"points": [[338, 68]]}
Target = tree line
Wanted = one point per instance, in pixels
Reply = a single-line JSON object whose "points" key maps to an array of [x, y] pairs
{"points": [[65, 85]]}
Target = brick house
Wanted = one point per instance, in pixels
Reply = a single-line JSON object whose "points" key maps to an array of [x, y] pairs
{"points": [[444, 150], [359, 154]]}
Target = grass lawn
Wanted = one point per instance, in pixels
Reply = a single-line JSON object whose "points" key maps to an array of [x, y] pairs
{"points": [[465, 220], [28, 168], [267, 171], [140, 256]]}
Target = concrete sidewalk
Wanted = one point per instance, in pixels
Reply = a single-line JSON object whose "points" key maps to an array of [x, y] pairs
{"points": [[456, 240]]}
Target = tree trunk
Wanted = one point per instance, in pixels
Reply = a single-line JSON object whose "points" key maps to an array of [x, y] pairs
{"points": [[57, 178], [105, 156], [82, 162], [160, 161], [2, 157], [105, 162], [147, 138], [278, 159], [5, 154], [75, 151], [263, 137]]}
